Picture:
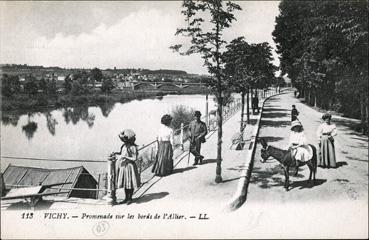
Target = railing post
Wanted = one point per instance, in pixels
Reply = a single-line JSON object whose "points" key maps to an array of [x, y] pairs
{"points": [[207, 111], [111, 197], [181, 136]]}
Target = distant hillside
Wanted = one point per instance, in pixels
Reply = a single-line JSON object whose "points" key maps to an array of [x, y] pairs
{"points": [[24, 68], [164, 71]]}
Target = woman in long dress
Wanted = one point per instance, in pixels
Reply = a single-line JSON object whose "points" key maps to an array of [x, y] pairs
{"points": [[127, 171], [325, 133], [164, 164]]}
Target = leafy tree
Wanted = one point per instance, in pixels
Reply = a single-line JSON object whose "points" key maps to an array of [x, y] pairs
{"points": [[96, 74], [237, 58], [77, 88], [324, 50], [68, 84], [51, 87], [209, 43], [31, 86], [107, 85], [9, 85], [181, 114], [42, 85], [248, 67], [279, 81]]}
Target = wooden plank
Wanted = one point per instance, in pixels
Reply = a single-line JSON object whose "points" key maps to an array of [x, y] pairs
{"points": [[23, 191], [31, 195]]}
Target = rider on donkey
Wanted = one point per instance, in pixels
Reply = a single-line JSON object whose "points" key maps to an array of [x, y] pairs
{"points": [[300, 150]]}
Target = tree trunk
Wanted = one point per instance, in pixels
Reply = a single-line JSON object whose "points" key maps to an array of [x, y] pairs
{"points": [[242, 109], [218, 171], [362, 114], [319, 100], [366, 116], [308, 96], [218, 177], [248, 105]]}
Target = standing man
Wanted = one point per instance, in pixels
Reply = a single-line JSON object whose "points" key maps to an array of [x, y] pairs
{"points": [[294, 113], [198, 131], [255, 104]]}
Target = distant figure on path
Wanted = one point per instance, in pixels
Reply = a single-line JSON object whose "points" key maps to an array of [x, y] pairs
{"points": [[325, 133], [197, 133], [164, 163], [127, 172], [294, 113], [295, 93], [301, 151], [255, 104]]}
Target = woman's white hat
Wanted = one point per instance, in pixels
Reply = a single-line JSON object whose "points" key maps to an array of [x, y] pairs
{"points": [[295, 123], [127, 134]]}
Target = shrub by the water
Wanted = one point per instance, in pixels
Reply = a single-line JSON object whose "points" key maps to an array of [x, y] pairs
{"points": [[181, 114]]}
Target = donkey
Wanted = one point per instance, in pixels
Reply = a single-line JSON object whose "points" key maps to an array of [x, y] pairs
{"points": [[286, 159]]}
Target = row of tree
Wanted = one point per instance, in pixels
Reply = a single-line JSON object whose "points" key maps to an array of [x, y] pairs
{"points": [[75, 84], [324, 50], [248, 67], [11, 85], [237, 66], [84, 82]]}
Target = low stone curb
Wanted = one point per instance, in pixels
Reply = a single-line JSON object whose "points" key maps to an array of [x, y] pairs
{"points": [[240, 195]]}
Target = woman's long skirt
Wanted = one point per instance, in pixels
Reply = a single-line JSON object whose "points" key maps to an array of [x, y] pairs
{"points": [[327, 155], [164, 165], [127, 175]]}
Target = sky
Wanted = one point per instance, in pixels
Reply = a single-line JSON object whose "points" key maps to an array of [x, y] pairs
{"points": [[122, 34]]}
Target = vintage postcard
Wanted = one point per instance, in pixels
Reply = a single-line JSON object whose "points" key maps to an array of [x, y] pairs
{"points": [[184, 119]]}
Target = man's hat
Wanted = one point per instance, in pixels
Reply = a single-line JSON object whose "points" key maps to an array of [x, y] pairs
{"points": [[197, 113]]}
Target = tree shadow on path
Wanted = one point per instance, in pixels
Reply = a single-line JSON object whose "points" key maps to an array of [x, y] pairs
{"points": [[276, 124], [181, 170], [306, 184], [268, 109], [274, 115], [207, 161], [271, 177], [149, 197], [232, 179]]}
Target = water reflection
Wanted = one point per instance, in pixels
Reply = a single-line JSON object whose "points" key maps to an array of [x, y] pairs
{"points": [[106, 108], [10, 119], [75, 114], [30, 128], [84, 132], [50, 122], [59, 118], [70, 114]]}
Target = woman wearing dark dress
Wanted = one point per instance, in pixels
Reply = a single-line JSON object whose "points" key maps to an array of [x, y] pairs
{"points": [[164, 164]]}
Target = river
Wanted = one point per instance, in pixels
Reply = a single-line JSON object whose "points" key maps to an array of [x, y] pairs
{"points": [[85, 133]]}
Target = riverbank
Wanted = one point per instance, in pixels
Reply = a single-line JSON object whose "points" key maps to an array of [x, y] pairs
{"points": [[24, 103]]}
